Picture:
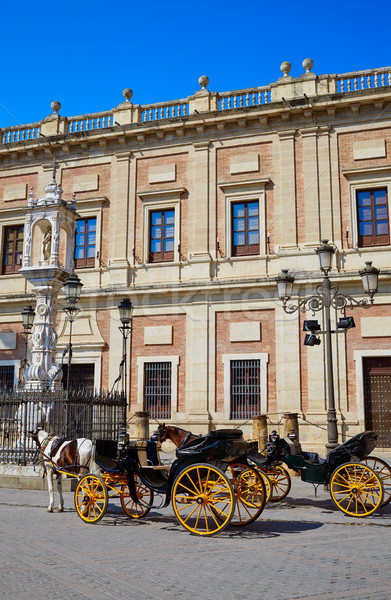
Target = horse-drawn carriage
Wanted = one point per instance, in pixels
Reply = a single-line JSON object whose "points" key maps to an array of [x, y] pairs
{"points": [[210, 484], [219, 479], [359, 484]]}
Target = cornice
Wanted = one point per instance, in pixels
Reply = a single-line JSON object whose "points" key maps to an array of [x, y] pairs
{"points": [[165, 193]]}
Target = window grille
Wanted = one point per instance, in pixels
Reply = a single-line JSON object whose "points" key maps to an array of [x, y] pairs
{"points": [[7, 377], [245, 389], [157, 389]]}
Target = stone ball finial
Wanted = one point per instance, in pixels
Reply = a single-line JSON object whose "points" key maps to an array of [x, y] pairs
{"points": [[285, 68], [55, 106], [127, 94], [203, 81], [307, 64]]}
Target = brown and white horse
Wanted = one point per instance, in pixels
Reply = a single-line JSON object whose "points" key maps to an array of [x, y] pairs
{"points": [[56, 454]]}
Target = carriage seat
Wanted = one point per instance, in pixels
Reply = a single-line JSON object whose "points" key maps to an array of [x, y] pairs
{"points": [[106, 452], [148, 455], [313, 458]]}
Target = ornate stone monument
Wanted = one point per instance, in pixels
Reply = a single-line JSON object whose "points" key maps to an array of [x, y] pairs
{"points": [[49, 235]]}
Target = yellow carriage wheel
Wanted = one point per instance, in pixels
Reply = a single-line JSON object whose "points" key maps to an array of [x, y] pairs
{"points": [[250, 493], [91, 498], [356, 489], [201, 492], [280, 480], [145, 496], [268, 485], [382, 470]]}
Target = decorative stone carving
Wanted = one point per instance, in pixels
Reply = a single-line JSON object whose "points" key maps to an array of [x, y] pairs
{"points": [[55, 105], [47, 245], [127, 94], [203, 81], [307, 64], [285, 68]]}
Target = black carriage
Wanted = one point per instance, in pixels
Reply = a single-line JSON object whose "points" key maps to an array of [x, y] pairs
{"points": [[210, 484], [358, 484]]}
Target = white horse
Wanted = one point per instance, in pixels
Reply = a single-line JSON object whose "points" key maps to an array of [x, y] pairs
{"points": [[72, 456]]}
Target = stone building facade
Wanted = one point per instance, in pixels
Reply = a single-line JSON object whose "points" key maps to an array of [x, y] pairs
{"points": [[190, 209]]}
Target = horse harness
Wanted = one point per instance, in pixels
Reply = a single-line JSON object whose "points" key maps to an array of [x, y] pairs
{"points": [[57, 443]]}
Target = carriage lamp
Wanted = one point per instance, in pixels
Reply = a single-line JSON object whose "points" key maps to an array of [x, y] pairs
{"points": [[326, 297]]}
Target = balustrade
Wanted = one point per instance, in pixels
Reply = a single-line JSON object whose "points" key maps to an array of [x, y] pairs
{"points": [[239, 99], [363, 80], [165, 110], [90, 122], [20, 134], [244, 98]]}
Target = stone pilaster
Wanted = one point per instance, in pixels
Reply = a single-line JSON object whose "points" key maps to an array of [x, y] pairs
{"points": [[286, 218], [119, 219], [311, 186]]}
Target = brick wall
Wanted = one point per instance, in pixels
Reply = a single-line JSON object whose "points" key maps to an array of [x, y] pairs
{"points": [[225, 346], [177, 347]]}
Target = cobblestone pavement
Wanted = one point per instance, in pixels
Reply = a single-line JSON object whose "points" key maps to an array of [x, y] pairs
{"points": [[300, 548]]}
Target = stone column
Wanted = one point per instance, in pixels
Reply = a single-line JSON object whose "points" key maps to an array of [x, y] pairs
{"points": [[259, 431]]}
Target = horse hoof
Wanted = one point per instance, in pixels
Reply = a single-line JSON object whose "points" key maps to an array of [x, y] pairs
{"points": [[60, 509], [49, 509]]}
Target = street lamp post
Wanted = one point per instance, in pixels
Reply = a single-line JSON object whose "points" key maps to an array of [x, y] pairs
{"points": [[72, 289], [28, 315], [125, 315], [327, 296]]}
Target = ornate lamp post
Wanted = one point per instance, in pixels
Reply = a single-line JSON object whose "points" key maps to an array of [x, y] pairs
{"points": [[125, 315], [72, 289], [327, 296]]}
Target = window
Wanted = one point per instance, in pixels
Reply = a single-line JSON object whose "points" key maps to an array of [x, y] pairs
{"points": [[245, 389], [157, 389], [162, 229], [85, 242], [7, 377], [13, 249], [245, 228], [372, 216]]}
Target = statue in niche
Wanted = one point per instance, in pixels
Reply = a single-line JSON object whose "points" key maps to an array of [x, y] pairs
{"points": [[47, 245]]}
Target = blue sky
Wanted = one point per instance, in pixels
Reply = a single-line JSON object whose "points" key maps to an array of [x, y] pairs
{"points": [[84, 54]]}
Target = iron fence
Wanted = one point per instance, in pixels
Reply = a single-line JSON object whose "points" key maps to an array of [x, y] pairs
{"points": [[76, 414]]}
